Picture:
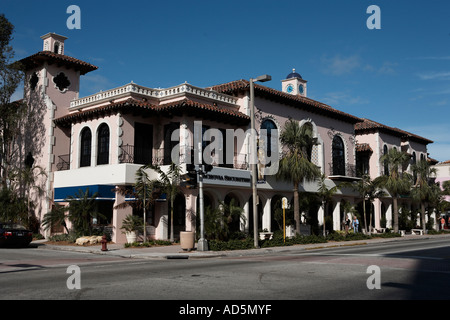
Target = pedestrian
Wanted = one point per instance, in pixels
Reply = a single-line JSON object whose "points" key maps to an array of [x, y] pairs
{"points": [[347, 225], [355, 224], [448, 225], [442, 223]]}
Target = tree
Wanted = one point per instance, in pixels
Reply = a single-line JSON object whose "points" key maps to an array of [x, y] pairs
{"points": [[325, 194], [294, 165], [169, 183], [143, 193], [11, 112], [422, 191], [368, 190], [397, 183], [57, 216], [82, 208]]}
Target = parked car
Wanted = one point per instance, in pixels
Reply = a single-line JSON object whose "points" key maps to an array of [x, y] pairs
{"points": [[14, 234]]}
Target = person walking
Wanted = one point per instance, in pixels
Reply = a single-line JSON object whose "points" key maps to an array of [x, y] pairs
{"points": [[347, 224], [442, 223], [355, 224]]}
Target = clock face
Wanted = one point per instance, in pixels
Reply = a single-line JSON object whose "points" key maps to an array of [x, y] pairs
{"points": [[289, 88], [301, 89]]}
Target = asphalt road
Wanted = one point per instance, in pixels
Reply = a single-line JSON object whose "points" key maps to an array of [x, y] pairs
{"points": [[404, 270]]}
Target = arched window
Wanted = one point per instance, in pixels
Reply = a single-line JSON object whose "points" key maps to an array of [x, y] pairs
{"points": [[103, 144], [309, 131], [386, 163], [413, 161], [338, 151], [86, 141], [267, 125]]}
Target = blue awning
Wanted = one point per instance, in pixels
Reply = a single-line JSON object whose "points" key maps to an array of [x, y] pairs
{"points": [[104, 192]]}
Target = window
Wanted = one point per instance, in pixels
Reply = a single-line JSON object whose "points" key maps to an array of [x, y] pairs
{"points": [[338, 151], [170, 145], [143, 143], [268, 125], [61, 82], [103, 144], [86, 140], [386, 163], [33, 81], [309, 131]]}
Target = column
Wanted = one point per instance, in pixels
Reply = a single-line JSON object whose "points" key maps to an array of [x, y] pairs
{"points": [[161, 220], [266, 218], [247, 216], [337, 215], [191, 210], [377, 213], [389, 220], [118, 216]]}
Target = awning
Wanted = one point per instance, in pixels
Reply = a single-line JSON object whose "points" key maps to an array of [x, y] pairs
{"points": [[104, 192]]}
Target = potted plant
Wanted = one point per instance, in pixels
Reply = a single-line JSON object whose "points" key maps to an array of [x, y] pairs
{"points": [[131, 226]]}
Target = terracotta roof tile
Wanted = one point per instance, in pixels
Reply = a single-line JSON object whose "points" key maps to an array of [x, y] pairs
{"points": [[372, 126], [293, 100], [37, 58], [134, 105], [363, 147]]}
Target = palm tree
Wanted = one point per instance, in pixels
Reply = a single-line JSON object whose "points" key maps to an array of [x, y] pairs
{"points": [[397, 183], [368, 190], [294, 165], [82, 208], [143, 193], [169, 183], [56, 216], [325, 194], [422, 190]]}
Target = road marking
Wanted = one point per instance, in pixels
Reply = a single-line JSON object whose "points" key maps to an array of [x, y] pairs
{"points": [[377, 255]]}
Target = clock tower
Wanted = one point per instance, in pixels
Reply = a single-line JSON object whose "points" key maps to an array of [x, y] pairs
{"points": [[294, 84]]}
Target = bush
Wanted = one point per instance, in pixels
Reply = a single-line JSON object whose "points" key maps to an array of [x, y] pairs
{"points": [[148, 244], [64, 237], [218, 245]]}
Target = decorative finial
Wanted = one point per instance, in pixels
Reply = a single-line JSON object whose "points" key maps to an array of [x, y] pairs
{"points": [[293, 70]]}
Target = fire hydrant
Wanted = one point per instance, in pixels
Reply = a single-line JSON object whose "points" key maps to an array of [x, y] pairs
{"points": [[104, 242]]}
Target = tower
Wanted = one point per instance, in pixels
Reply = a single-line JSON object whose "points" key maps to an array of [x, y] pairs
{"points": [[52, 81], [294, 84], [53, 42]]}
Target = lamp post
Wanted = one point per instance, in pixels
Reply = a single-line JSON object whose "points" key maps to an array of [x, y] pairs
{"points": [[253, 154]]}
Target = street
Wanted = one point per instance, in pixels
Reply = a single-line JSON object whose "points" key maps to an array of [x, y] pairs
{"points": [[403, 270]]}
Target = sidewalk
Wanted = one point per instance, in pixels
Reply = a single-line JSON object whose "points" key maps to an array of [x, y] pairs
{"points": [[175, 251]]}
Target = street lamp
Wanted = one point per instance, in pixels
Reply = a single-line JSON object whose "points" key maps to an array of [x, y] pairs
{"points": [[253, 154]]}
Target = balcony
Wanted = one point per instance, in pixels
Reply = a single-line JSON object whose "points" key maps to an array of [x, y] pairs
{"points": [[136, 155], [63, 162], [342, 171]]}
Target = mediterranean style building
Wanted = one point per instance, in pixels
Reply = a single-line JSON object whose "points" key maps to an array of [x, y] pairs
{"points": [[100, 141]]}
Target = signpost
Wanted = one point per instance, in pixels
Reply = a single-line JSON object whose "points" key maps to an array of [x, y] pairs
{"points": [[284, 205]]}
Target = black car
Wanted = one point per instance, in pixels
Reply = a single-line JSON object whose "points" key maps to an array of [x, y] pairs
{"points": [[14, 234]]}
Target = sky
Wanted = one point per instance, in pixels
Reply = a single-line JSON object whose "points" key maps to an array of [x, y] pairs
{"points": [[398, 75]]}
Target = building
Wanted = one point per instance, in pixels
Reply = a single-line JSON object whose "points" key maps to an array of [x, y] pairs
{"points": [[98, 142]]}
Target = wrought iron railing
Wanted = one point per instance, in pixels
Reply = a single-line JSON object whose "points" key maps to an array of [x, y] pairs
{"points": [[63, 162], [342, 169]]}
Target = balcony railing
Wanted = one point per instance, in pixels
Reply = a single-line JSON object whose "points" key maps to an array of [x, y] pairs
{"points": [[342, 169], [63, 162], [136, 155]]}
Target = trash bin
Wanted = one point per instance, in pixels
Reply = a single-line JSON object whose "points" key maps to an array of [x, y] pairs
{"points": [[187, 240]]}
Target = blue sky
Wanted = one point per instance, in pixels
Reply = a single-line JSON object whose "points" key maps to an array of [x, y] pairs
{"points": [[398, 75]]}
